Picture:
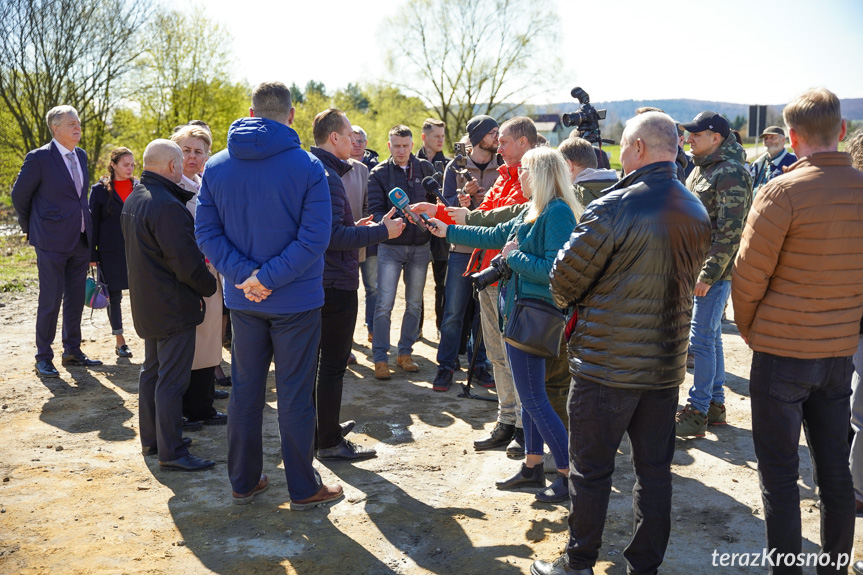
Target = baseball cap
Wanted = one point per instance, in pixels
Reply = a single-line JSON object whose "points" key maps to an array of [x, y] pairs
{"points": [[708, 121], [772, 130]]}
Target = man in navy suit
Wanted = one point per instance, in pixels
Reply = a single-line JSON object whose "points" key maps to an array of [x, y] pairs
{"points": [[50, 197]]}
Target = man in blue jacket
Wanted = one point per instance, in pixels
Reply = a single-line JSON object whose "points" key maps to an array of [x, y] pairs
{"points": [[264, 221], [333, 135], [50, 197]]}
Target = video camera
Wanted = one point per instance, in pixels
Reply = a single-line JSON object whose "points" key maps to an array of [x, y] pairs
{"points": [[586, 118]]}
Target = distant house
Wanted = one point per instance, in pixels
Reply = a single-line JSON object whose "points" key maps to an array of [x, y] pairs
{"points": [[551, 128]]}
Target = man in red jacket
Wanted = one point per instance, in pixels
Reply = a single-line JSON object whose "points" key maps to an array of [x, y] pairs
{"points": [[797, 290]]}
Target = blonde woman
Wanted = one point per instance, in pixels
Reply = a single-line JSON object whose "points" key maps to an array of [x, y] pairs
{"points": [[529, 244]]}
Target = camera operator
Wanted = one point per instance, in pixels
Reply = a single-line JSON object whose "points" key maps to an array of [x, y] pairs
{"points": [[529, 244], [589, 182], [482, 169]]}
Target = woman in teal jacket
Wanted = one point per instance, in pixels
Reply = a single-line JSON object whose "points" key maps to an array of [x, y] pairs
{"points": [[530, 243]]}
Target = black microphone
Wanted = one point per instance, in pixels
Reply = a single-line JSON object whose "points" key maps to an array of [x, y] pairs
{"points": [[432, 187]]}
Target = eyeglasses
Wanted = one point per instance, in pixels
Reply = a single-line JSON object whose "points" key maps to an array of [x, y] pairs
{"points": [[522, 169]]}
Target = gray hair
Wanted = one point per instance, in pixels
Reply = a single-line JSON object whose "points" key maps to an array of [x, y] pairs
{"points": [[55, 115], [357, 130], [656, 129], [272, 100], [578, 151]]}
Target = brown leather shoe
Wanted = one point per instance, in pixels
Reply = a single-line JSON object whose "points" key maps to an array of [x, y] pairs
{"points": [[382, 370], [326, 494], [246, 498], [406, 363]]}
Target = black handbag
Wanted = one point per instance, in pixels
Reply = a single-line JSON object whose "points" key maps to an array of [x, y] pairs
{"points": [[535, 326]]}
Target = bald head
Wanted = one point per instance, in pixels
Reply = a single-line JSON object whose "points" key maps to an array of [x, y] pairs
{"points": [[165, 158], [648, 138]]}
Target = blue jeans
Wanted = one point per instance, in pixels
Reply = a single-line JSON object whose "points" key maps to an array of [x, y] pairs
{"points": [[788, 393], [291, 340], [414, 260], [706, 344], [457, 293], [599, 415], [369, 270], [541, 423]]}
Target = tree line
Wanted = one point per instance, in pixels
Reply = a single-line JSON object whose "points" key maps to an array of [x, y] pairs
{"points": [[135, 70]]}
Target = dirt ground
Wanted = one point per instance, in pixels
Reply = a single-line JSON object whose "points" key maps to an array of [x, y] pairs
{"points": [[77, 496]]}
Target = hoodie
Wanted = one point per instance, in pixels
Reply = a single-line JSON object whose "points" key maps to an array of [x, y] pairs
{"points": [[265, 205], [591, 182], [724, 186]]}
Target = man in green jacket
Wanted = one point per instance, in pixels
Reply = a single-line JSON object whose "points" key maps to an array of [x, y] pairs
{"points": [[724, 186]]}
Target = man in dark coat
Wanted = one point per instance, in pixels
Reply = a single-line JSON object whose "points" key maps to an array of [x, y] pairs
{"points": [[630, 269], [168, 279], [333, 135], [50, 197]]}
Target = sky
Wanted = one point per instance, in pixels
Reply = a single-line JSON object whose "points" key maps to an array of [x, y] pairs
{"points": [[741, 51]]}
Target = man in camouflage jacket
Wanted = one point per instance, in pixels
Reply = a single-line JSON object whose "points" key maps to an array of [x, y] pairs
{"points": [[724, 186]]}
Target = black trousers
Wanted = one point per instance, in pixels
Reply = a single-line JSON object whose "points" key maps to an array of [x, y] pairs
{"points": [[338, 317], [439, 273], [599, 415], [115, 314], [164, 378], [198, 399]]}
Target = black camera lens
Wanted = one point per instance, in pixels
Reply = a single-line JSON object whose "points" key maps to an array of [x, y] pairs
{"points": [[574, 119]]}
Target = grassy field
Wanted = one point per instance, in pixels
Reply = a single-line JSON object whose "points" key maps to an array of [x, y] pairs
{"points": [[17, 264]]}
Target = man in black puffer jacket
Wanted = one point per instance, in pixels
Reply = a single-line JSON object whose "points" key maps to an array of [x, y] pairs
{"points": [[333, 137], [168, 279], [630, 269]]}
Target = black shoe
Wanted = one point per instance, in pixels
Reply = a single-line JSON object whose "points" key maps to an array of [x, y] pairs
{"points": [[347, 451], [347, 426], [559, 567], [192, 424], [557, 492], [525, 477], [500, 435], [220, 394], [71, 359], [123, 351], [857, 568], [45, 368], [224, 381], [187, 463], [187, 441], [443, 380], [218, 419], [483, 377], [515, 449]]}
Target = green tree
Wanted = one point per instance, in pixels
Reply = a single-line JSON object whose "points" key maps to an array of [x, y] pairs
{"points": [[185, 74], [75, 52], [467, 57]]}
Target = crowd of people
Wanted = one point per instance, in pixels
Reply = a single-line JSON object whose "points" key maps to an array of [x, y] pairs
{"points": [[634, 270]]}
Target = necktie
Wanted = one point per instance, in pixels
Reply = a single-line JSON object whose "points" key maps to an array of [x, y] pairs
{"points": [[76, 179]]}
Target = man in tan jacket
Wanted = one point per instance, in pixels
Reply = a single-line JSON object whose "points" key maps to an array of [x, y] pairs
{"points": [[797, 290]]}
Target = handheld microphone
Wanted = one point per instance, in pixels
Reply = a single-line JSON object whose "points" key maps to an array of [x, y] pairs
{"points": [[432, 187], [400, 200]]}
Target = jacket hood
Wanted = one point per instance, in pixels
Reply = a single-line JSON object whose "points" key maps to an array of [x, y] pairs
{"points": [[595, 175], [331, 161], [259, 138], [728, 150]]}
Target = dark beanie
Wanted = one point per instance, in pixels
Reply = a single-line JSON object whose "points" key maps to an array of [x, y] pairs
{"points": [[478, 127]]}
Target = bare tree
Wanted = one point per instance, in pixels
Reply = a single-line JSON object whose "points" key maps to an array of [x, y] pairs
{"points": [[468, 57], [71, 52]]}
